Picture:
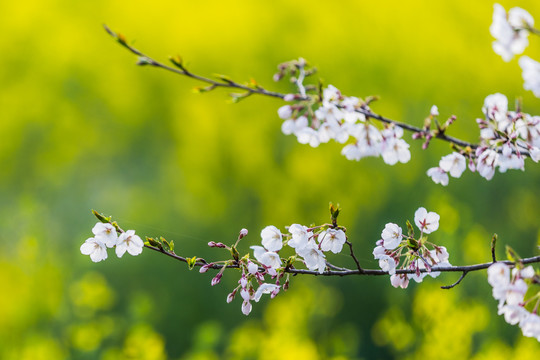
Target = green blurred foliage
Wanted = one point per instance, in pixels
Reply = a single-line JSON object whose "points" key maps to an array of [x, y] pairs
{"points": [[82, 128]]}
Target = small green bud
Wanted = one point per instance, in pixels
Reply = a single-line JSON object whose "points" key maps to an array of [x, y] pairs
{"points": [[166, 245], [410, 229], [101, 217], [234, 253], [191, 262]]}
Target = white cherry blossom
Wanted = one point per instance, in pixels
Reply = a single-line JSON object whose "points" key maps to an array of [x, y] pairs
{"points": [[129, 242], [387, 263], [293, 126], [396, 150], [265, 289], [95, 248], [391, 236], [426, 221], [454, 164], [313, 257], [285, 112], [438, 175], [267, 258], [510, 31], [531, 74], [271, 238], [332, 240], [106, 233], [530, 326], [300, 236]]}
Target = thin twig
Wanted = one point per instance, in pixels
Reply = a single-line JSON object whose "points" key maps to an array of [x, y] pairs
{"points": [[457, 282], [354, 256]]}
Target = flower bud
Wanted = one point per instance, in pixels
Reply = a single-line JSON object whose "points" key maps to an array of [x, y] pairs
{"points": [[243, 233], [252, 268], [230, 297], [289, 97], [204, 268], [216, 279]]}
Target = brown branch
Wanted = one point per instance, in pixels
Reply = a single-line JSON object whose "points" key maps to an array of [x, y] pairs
{"points": [[457, 282], [227, 83], [361, 271], [354, 257]]}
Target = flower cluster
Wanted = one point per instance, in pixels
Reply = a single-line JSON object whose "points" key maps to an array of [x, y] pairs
{"points": [[106, 236], [506, 138], [510, 288], [417, 254], [510, 30], [309, 244], [339, 118]]}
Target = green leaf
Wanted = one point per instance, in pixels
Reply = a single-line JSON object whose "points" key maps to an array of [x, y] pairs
{"points": [[166, 245], [512, 255], [410, 229], [101, 217], [191, 262], [334, 212], [234, 253]]}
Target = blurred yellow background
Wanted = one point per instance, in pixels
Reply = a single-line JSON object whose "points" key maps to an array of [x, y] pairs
{"points": [[82, 127]]}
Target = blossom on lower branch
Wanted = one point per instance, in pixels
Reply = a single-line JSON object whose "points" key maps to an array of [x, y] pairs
{"points": [[266, 273], [420, 255], [510, 288], [106, 236]]}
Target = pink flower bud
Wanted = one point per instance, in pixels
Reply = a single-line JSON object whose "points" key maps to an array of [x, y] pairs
{"points": [[204, 268], [212, 244], [243, 281], [243, 233], [216, 279], [275, 292], [230, 297], [289, 97]]}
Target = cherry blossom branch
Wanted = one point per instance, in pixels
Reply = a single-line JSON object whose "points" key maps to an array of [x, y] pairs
{"points": [[347, 272], [342, 272], [254, 88], [181, 70]]}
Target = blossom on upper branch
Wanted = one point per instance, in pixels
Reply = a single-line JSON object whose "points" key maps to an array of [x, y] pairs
{"points": [[339, 118], [507, 139], [129, 242], [105, 235], [531, 74], [510, 31], [95, 248]]}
